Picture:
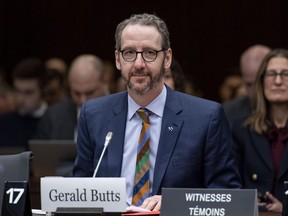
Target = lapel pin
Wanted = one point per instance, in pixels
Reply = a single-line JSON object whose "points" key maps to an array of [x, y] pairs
{"points": [[170, 128]]}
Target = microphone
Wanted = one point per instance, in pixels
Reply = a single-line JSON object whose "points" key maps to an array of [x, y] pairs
{"points": [[107, 141]]}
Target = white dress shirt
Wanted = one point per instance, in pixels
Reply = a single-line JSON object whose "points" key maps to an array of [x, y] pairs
{"points": [[133, 129]]}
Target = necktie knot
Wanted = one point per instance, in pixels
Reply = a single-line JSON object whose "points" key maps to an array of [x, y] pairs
{"points": [[144, 115]]}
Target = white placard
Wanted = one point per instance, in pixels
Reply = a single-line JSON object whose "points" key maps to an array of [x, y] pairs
{"points": [[106, 193]]}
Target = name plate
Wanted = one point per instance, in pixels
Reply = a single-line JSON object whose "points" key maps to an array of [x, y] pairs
{"points": [[209, 202], [106, 193]]}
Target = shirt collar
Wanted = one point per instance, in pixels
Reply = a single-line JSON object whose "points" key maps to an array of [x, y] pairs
{"points": [[156, 106]]}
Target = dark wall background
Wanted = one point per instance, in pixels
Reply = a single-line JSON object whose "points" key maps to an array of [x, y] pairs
{"points": [[207, 36]]}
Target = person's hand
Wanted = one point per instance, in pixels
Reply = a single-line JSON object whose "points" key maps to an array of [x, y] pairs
{"points": [[275, 205], [152, 203]]}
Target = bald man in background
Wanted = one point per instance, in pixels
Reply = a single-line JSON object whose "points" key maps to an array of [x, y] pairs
{"points": [[85, 79], [250, 61]]}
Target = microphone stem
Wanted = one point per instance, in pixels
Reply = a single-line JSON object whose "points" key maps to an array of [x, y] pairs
{"points": [[99, 162]]}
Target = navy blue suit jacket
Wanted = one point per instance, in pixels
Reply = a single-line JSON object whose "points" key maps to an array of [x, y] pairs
{"points": [[196, 153], [253, 155]]}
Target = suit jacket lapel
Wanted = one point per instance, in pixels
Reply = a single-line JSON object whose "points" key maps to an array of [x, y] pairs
{"points": [[117, 124], [284, 163], [262, 146], [171, 127]]}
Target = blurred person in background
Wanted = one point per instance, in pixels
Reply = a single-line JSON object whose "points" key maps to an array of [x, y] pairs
{"points": [[174, 76], [85, 79], [57, 64], [7, 98], [55, 89], [261, 138], [110, 77], [250, 61], [19, 126], [231, 88]]}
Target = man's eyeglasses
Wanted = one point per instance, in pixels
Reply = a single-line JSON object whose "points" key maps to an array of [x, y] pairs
{"points": [[147, 55], [273, 74]]}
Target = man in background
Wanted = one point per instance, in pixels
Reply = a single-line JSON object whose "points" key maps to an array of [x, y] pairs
{"points": [[7, 98], [19, 126], [85, 79], [55, 88], [250, 61]]}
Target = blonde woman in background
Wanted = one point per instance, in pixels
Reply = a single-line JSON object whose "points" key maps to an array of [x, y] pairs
{"points": [[261, 139]]}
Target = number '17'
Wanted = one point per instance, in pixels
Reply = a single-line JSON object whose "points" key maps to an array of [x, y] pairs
{"points": [[11, 192]]}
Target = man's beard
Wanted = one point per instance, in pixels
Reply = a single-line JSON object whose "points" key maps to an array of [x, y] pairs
{"points": [[149, 85]]}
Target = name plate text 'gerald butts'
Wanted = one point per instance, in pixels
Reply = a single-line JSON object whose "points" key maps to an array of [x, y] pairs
{"points": [[106, 193]]}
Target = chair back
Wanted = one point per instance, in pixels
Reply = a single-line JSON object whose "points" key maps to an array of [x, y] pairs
{"points": [[14, 167]]}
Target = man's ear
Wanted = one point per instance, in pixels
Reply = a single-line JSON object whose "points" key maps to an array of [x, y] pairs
{"points": [[117, 60], [168, 58]]}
